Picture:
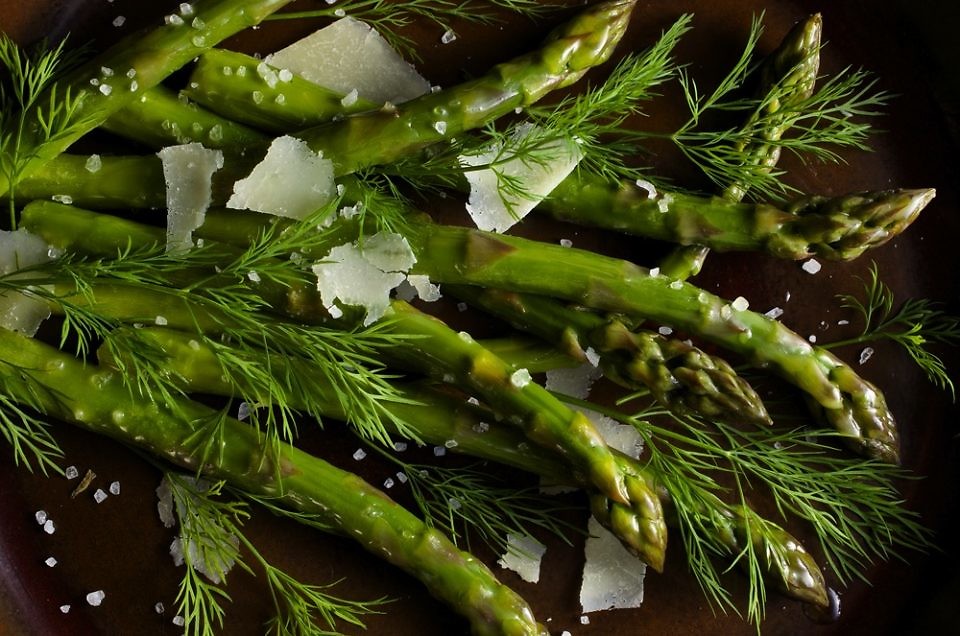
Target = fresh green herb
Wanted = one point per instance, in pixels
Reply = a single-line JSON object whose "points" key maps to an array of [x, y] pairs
{"points": [[31, 105], [29, 436], [915, 325], [211, 536]]}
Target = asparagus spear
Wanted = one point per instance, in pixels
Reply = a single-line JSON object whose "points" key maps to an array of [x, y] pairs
{"points": [[244, 89], [131, 66], [439, 418], [839, 228], [98, 400], [842, 399], [161, 118], [680, 376], [624, 501], [845, 401], [788, 74]]}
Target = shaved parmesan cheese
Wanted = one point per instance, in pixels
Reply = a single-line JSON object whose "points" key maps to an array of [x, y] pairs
{"points": [[364, 276], [575, 381], [494, 210], [292, 181], [188, 170], [622, 437], [612, 577], [418, 286], [20, 312], [523, 556], [349, 55]]}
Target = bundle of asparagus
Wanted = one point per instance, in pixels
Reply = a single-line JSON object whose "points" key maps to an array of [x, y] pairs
{"points": [[242, 313]]}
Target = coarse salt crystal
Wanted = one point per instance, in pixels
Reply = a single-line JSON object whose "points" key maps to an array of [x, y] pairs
{"points": [[665, 331], [178, 621], [65, 609], [448, 36], [93, 163], [584, 620], [40, 516], [841, 323], [866, 354], [402, 477], [350, 98], [451, 443], [520, 378], [49, 527], [774, 313], [359, 454], [566, 243], [243, 411], [399, 446], [812, 266], [114, 487], [812, 338], [158, 608], [51, 562], [676, 284], [439, 451], [388, 482], [740, 303], [71, 472], [654, 272], [160, 321], [99, 495], [651, 189], [95, 598], [461, 307]]}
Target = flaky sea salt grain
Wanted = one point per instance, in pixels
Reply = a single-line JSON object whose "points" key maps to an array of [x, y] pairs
{"points": [[520, 378], [95, 598]]}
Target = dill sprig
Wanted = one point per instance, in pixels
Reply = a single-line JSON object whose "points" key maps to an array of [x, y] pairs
{"points": [[211, 537], [915, 325], [819, 125], [592, 124], [30, 77], [850, 504], [29, 437], [466, 501]]}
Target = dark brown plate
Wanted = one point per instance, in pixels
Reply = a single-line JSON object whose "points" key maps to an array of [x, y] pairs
{"points": [[120, 546]]}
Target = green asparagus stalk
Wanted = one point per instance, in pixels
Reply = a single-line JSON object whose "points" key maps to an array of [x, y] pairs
{"points": [[680, 376], [848, 403], [789, 75], [378, 137], [624, 502], [161, 118], [437, 350], [247, 90], [125, 70], [447, 254], [98, 400], [835, 228], [838, 228], [440, 418]]}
